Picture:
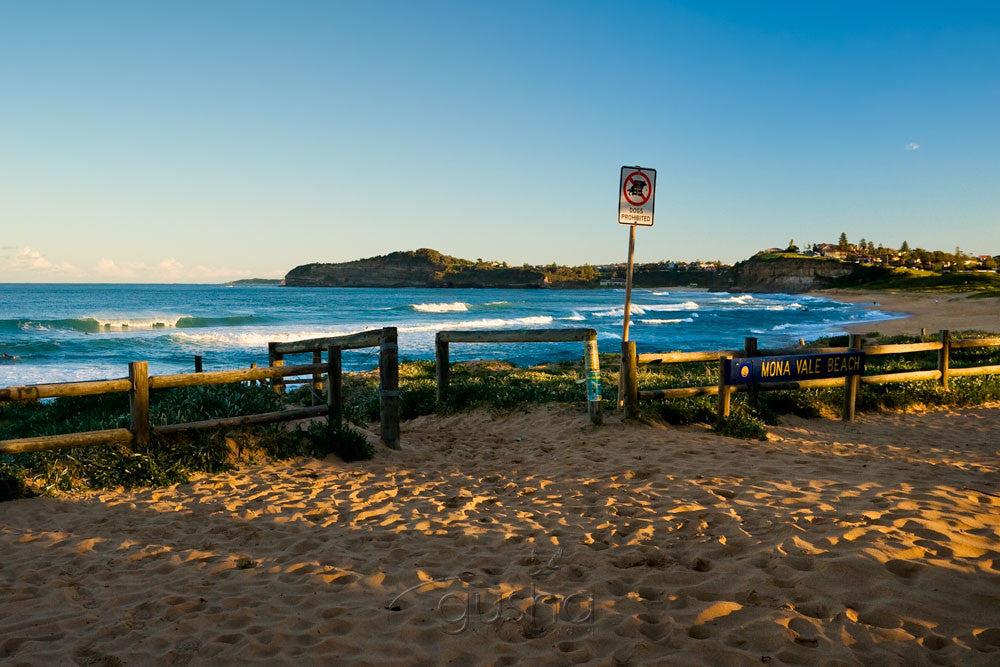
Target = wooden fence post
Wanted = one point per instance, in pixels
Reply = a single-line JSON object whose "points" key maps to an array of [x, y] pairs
{"points": [[251, 383], [138, 401], [197, 363], [722, 405], [851, 382], [592, 378], [944, 357], [275, 358], [317, 379], [750, 350], [923, 331], [630, 380], [442, 365], [334, 395], [388, 370]]}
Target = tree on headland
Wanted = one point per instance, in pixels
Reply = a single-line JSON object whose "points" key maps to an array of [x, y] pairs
{"points": [[842, 243], [791, 246], [905, 247]]}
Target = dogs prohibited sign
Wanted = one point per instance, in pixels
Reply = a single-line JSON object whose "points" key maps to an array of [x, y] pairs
{"points": [[636, 195]]}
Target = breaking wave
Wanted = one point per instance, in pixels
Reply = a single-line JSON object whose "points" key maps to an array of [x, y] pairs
{"points": [[96, 324], [455, 307], [673, 321]]}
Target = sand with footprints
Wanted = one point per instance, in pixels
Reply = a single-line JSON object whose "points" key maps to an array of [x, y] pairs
{"points": [[535, 538]]}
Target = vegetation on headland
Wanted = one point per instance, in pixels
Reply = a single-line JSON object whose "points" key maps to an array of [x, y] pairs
{"points": [[496, 385]]}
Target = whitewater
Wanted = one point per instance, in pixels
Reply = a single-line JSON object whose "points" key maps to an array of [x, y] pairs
{"points": [[57, 333]]}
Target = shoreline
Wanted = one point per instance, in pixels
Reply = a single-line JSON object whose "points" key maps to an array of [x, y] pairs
{"points": [[932, 311]]}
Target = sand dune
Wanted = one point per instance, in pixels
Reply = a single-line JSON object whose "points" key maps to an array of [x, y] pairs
{"points": [[830, 544]]}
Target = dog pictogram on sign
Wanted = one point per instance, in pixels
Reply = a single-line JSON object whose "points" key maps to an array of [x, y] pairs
{"points": [[635, 196], [637, 188]]}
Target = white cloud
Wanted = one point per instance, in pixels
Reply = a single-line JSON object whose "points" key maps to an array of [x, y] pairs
{"points": [[167, 270], [25, 263], [912, 146], [29, 259]]}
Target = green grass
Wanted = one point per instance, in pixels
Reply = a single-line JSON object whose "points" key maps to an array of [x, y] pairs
{"points": [[497, 386], [168, 460]]}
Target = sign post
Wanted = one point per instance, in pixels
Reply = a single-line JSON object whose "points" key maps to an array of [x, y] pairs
{"points": [[636, 190]]}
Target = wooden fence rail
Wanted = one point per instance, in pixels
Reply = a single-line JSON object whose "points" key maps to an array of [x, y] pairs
{"points": [[942, 374], [385, 339], [591, 362], [139, 384]]}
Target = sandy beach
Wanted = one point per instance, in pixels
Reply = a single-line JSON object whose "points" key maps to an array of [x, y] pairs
{"points": [[876, 542], [931, 311]]}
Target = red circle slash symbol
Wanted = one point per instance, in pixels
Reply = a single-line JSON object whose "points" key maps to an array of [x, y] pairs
{"points": [[641, 189]]}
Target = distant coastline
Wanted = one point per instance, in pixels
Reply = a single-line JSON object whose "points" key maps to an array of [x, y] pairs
{"points": [[257, 281], [767, 271]]}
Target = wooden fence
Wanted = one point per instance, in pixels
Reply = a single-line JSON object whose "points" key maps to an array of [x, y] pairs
{"points": [[942, 373], [139, 383], [591, 362], [385, 339]]}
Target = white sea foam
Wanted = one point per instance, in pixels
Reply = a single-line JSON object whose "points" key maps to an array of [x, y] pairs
{"points": [[249, 338], [790, 306], [455, 307], [741, 299], [485, 323], [674, 321], [575, 317], [687, 305], [661, 293], [618, 312]]}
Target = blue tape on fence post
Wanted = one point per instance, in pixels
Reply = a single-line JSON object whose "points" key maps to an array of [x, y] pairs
{"points": [[593, 385]]}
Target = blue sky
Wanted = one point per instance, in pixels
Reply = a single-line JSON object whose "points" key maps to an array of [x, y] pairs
{"points": [[202, 141]]}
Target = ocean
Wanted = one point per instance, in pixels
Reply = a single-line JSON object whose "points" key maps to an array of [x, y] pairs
{"points": [[57, 333]]}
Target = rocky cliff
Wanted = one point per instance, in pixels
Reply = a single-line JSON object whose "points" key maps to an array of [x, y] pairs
{"points": [[417, 268], [786, 273]]}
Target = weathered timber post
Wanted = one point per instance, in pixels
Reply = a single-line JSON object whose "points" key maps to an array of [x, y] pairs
{"points": [[851, 382], [923, 331], [442, 366], [750, 350], [252, 382], [802, 342], [334, 395], [388, 371], [275, 358], [944, 357], [592, 378], [138, 401], [630, 380], [722, 405], [317, 379], [197, 363]]}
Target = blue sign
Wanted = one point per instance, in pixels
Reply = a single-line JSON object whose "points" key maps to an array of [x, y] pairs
{"points": [[756, 370]]}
